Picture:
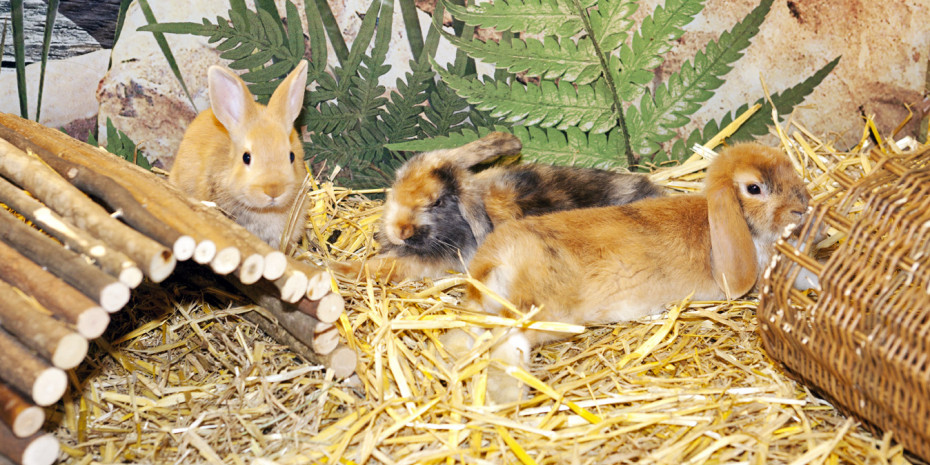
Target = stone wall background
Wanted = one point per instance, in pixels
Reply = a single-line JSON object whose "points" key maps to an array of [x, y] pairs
{"points": [[885, 48]]}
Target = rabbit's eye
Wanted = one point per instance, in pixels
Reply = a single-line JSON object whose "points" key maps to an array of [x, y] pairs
{"points": [[292, 157], [247, 158], [439, 202], [753, 189]]}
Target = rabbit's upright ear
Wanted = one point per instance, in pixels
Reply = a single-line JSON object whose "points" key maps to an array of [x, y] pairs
{"points": [[288, 99], [230, 99], [732, 252], [493, 145]]}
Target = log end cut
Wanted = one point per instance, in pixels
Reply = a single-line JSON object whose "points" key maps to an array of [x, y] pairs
{"points": [[42, 451], [49, 386], [250, 271], [275, 265], [28, 421], [113, 296], [226, 261], [205, 251], [70, 351], [184, 247], [91, 323]]}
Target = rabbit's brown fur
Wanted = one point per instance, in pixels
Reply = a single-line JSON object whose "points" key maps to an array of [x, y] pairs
{"points": [[608, 264], [438, 211]]}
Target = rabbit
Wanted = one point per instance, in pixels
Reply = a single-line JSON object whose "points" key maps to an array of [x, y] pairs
{"points": [[246, 157], [609, 264], [438, 212]]}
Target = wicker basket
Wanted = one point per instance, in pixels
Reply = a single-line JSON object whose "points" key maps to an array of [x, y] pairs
{"points": [[863, 341]]}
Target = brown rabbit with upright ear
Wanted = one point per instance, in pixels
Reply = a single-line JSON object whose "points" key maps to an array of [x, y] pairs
{"points": [[245, 157], [438, 211], [617, 263]]}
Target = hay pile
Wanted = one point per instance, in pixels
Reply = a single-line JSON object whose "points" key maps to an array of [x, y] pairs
{"points": [[184, 380]]}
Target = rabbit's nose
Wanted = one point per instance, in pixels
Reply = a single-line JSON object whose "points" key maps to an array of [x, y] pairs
{"points": [[404, 231], [273, 190]]}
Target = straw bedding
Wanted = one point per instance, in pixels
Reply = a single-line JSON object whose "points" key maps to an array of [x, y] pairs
{"points": [[182, 379]]}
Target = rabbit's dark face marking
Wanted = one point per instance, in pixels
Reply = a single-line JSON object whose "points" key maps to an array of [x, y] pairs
{"points": [[424, 216]]}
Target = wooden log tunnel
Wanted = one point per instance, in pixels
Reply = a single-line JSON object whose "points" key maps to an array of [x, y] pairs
{"points": [[101, 224]]}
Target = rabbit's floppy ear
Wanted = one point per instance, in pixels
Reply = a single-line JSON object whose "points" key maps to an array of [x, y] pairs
{"points": [[288, 99], [230, 99], [493, 145], [732, 251]]}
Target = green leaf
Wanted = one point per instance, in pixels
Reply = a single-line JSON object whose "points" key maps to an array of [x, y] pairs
{"points": [[571, 147], [548, 104], [50, 13], [785, 101], [542, 17], [549, 59], [118, 143], [633, 68], [610, 22], [19, 55], [656, 118]]}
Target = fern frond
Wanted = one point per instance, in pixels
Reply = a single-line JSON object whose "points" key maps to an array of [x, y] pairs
{"points": [[656, 118], [636, 62], [545, 17], [253, 39], [548, 104], [611, 21], [760, 122], [571, 147], [548, 59]]}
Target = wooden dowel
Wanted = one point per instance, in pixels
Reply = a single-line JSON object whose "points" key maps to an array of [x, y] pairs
{"points": [[204, 251], [29, 374], [320, 285], [32, 174], [64, 301], [226, 260], [117, 198], [327, 309], [22, 417], [67, 265], [171, 207], [325, 338], [35, 328], [342, 360], [321, 337], [250, 270], [38, 449], [275, 263], [292, 286], [115, 263]]}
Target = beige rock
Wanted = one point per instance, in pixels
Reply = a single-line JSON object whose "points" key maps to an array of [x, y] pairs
{"points": [[68, 95], [884, 48], [141, 94]]}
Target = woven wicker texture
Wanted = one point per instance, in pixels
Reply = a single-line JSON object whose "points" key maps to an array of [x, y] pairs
{"points": [[863, 340]]}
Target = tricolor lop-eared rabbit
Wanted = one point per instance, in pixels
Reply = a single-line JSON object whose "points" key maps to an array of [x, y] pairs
{"points": [[438, 210], [246, 157], [618, 263]]}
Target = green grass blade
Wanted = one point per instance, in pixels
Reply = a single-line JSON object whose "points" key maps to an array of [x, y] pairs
{"points": [[19, 53], [50, 14], [332, 30], [120, 20], [408, 11], [316, 31], [165, 49]]}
